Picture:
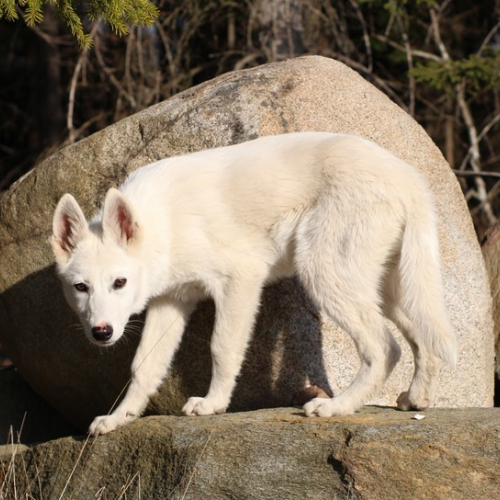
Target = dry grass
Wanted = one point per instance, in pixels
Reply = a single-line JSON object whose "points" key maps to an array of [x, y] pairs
{"points": [[21, 478]]}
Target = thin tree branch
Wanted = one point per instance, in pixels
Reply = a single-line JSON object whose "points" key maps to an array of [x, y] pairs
{"points": [[72, 89], [475, 156], [468, 173], [366, 37], [414, 52], [409, 58], [437, 36], [489, 36], [110, 75], [480, 137]]}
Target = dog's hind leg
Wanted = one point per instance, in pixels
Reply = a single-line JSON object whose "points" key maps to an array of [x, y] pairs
{"points": [[342, 269], [377, 349], [421, 391]]}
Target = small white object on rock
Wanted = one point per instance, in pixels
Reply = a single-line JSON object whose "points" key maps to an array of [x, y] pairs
{"points": [[418, 416]]}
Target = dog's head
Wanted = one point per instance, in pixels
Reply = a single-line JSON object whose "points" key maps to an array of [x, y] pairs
{"points": [[99, 266]]}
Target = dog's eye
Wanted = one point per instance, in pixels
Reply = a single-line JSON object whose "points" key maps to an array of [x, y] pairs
{"points": [[119, 283], [81, 287]]}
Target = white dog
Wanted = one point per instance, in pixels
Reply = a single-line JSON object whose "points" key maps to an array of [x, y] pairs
{"points": [[352, 221]]}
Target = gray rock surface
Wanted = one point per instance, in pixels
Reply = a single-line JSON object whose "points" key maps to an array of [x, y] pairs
{"points": [[491, 253], [377, 454], [292, 345]]}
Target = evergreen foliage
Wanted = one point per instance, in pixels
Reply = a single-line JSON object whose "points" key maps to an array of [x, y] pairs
{"points": [[479, 72], [120, 14]]}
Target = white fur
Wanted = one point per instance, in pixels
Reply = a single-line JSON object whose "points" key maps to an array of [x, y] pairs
{"points": [[355, 223]]}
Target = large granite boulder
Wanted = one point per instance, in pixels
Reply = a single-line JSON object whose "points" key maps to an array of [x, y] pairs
{"points": [[292, 345], [491, 252], [377, 454]]}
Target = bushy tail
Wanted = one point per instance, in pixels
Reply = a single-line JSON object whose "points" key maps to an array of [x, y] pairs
{"points": [[422, 289]]}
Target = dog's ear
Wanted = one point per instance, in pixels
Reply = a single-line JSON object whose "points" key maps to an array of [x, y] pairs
{"points": [[68, 228], [118, 219]]}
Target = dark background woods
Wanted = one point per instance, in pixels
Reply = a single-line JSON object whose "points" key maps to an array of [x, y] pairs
{"points": [[438, 60]]}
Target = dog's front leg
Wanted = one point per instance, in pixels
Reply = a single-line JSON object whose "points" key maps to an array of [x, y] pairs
{"points": [[165, 322], [236, 308]]}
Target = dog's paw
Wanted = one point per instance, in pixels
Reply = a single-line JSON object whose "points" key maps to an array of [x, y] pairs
{"points": [[202, 406], [407, 402], [321, 407], [107, 423]]}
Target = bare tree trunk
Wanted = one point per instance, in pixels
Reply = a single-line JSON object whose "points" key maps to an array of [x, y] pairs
{"points": [[51, 121], [279, 24]]}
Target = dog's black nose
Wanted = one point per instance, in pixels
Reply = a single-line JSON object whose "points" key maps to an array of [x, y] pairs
{"points": [[102, 333]]}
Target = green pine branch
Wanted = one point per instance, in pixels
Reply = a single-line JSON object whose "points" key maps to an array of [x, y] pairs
{"points": [[120, 14], [8, 10], [479, 72]]}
